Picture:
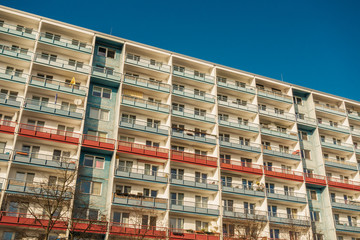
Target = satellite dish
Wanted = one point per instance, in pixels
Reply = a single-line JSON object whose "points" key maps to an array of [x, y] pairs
{"points": [[77, 102]]}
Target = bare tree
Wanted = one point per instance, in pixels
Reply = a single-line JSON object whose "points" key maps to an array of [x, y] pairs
{"points": [[247, 229]]}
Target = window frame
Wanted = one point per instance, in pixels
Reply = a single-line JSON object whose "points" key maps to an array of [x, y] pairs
{"points": [[101, 92], [99, 110], [91, 189], [94, 159]]}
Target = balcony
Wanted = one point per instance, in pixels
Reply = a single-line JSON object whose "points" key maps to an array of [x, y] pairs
{"points": [[289, 219], [65, 43], [278, 96], [141, 174], [330, 126], [136, 230], [49, 133], [277, 113], [141, 149], [193, 114], [144, 126], [193, 158], [234, 85], [145, 104], [245, 214], [337, 163], [98, 142], [281, 152], [193, 136], [178, 234], [54, 108], [205, 97], [343, 183], [347, 226], [315, 179], [337, 145], [106, 74], [355, 131], [247, 190], [62, 63], [44, 160], [241, 166], [341, 203], [129, 200], [56, 85], [10, 100], [330, 109], [286, 195], [235, 123], [239, 144], [7, 126], [194, 207], [301, 119], [236, 105], [355, 115], [147, 63], [283, 173], [194, 75], [18, 31], [5, 154], [15, 52], [147, 83], [280, 134], [194, 182], [13, 76]]}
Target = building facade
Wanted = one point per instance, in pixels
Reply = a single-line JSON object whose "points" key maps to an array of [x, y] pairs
{"points": [[164, 146]]}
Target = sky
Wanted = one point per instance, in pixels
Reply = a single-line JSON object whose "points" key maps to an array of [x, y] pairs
{"points": [[311, 43]]}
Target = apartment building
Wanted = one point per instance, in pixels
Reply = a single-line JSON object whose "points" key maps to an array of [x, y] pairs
{"points": [[155, 144]]}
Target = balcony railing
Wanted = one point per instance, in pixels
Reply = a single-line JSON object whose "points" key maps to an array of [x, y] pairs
{"points": [[10, 100], [193, 114], [343, 183], [355, 131], [49, 133], [18, 30], [147, 83], [7, 126], [241, 166], [144, 126], [239, 144], [65, 42], [45, 160], [57, 85], [235, 123], [139, 201], [191, 75], [194, 136], [284, 173], [244, 213], [274, 95], [235, 104], [98, 142], [191, 94], [147, 63], [136, 230], [315, 179], [13, 75], [145, 104], [345, 204], [189, 234], [106, 73], [286, 195], [194, 207], [5, 154], [16, 52], [354, 114], [193, 158], [141, 149], [232, 84], [331, 126], [196, 182], [249, 190], [54, 108], [337, 145], [282, 134], [330, 109], [281, 152], [292, 219], [62, 63], [141, 174], [337, 163], [347, 226], [305, 120], [277, 113]]}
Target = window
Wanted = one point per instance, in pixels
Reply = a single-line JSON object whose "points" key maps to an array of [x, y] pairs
{"points": [[177, 198], [125, 166], [25, 177], [177, 148], [94, 161], [150, 193], [260, 86], [228, 205], [200, 152], [199, 112], [279, 111], [306, 154], [120, 217], [294, 235], [201, 177], [101, 92], [178, 107], [67, 106], [127, 139], [221, 79], [177, 173], [201, 202], [178, 127], [228, 230], [199, 74], [10, 71], [155, 63], [106, 52], [179, 69], [303, 135], [153, 123], [298, 100], [151, 143], [225, 158], [223, 98], [177, 224], [59, 155], [89, 187], [52, 36], [262, 107], [223, 117], [226, 181], [313, 195], [120, 189], [315, 216], [243, 121], [198, 92], [47, 56], [75, 63], [133, 57], [199, 132], [244, 141], [178, 87], [224, 137], [9, 236], [199, 226], [98, 136], [98, 113]]}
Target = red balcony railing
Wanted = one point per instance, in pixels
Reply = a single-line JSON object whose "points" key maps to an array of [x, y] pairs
{"points": [[98, 142], [241, 166], [122, 229], [343, 183], [49, 133], [7, 126], [315, 179], [193, 158], [283, 173], [177, 234], [141, 149], [89, 226]]}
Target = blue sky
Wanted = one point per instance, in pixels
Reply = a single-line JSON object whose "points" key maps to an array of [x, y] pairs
{"points": [[312, 43]]}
